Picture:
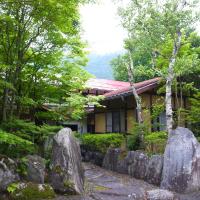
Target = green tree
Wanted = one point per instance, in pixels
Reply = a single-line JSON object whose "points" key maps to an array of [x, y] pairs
{"points": [[193, 114], [41, 54], [155, 26], [41, 71], [143, 68]]}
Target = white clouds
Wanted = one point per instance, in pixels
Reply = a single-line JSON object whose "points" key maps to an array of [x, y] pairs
{"points": [[101, 26]]}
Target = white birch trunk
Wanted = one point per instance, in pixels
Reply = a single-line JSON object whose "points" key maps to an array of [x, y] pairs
{"points": [[136, 96], [169, 82]]}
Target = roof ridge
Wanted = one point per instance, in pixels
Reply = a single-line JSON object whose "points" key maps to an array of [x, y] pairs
{"points": [[139, 86]]}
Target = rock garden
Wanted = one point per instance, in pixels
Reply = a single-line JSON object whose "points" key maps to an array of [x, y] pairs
{"points": [[120, 175], [30, 179]]}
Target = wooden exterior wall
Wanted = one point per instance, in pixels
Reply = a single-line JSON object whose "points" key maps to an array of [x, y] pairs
{"points": [[100, 123], [131, 119], [127, 110]]}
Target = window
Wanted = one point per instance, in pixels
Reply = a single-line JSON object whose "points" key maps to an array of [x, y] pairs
{"points": [[159, 124], [162, 121], [122, 121], [116, 122], [109, 122]]}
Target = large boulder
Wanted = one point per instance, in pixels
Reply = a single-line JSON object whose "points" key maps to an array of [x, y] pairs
{"points": [[159, 194], [181, 169], [67, 174], [154, 170], [8, 172], [116, 160], [137, 164], [35, 169]]}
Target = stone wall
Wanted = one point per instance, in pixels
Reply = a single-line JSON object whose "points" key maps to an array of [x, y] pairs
{"points": [[135, 163], [177, 170], [94, 157]]}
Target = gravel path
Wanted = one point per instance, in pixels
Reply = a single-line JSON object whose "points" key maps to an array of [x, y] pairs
{"points": [[106, 185]]}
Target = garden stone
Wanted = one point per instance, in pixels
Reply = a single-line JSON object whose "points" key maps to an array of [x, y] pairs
{"points": [[111, 159], [138, 164], [154, 170], [35, 169], [87, 157], [115, 160], [8, 172], [122, 166], [159, 194], [97, 158], [94, 157], [181, 169], [67, 174]]}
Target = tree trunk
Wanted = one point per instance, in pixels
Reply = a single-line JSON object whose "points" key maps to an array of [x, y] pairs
{"points": [[136, 96], [4, 105], [5, 98], [137, 99], [170, 77]]}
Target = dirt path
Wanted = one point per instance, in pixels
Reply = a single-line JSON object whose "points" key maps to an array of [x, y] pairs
{"points": [[106, 185]]}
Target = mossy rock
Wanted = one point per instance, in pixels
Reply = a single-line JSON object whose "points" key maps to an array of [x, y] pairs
{"points": [[32, 191], [8, 161]]}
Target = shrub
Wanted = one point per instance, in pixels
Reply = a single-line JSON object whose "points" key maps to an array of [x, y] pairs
{"points": [[14, 146], [155, 142], [193, 114], [28, 130], [101, 142], [135, 140]]}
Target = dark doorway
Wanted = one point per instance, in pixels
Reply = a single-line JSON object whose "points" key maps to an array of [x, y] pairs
{"points": [[74, 127]]}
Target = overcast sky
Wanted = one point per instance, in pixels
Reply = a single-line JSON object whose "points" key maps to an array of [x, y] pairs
{"points": [[101, 26]]}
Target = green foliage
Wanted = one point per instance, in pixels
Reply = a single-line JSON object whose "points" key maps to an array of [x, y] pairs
{"points": [[29, 131], [24, 137], [155, 142], [78, 102], [137, 131], [156, 30], [152, 27], [157, 109], [12, 187], [193, 114], [42, 58], [22, 166], [49, 115], [14, 146], [142, 70], [101, 142], [30, 191], [133, 142]]}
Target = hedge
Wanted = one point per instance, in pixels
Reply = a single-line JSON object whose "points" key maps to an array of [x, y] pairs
{"points": [[101, 142], [155, 142]]}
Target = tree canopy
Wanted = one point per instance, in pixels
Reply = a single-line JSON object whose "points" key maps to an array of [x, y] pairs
{"points": [[41, 56], [161, 40]]}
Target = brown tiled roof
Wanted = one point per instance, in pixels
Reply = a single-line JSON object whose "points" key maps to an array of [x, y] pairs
{"points": [[140, 88]]}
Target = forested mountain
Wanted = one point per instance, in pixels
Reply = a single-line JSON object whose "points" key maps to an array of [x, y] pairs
{"points": [[99, 65]]}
